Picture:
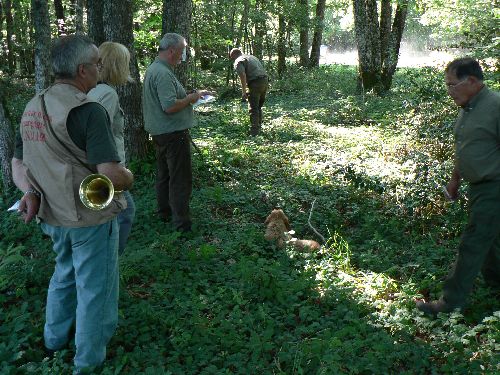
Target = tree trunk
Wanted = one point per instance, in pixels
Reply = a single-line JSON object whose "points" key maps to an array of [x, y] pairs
{"points": [[95, 21], [385, 27], [177, 19], [378, 45], [391, 56], [281, 40], [260, 29], [367, 38], [9, 26], [241, 38], [118, 28], [318, 33], [304, 32], [3, 55], [6, 149], [23, 49], [60, 20], [41, 23], [78, 8]]}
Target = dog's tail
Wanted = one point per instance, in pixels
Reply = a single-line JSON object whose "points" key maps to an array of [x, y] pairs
{"points": [[309, 222]]}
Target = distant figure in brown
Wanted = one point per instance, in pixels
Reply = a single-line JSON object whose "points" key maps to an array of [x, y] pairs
{"points": [[254, 77]]}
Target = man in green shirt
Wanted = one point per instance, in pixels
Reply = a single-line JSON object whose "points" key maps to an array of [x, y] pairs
{"points": [[168, 115], [254, 77], [477, 161]]}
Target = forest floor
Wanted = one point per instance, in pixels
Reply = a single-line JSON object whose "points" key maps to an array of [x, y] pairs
{"points": [[225, 301]]}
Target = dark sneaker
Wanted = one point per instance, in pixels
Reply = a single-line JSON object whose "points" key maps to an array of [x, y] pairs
{"points": [[435, 307]]}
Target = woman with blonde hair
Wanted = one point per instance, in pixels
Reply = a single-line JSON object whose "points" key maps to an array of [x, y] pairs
{"points": [[114, 70]]}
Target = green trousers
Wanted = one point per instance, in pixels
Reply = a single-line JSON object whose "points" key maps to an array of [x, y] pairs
{"points": [[257, 90], [479, 249]]}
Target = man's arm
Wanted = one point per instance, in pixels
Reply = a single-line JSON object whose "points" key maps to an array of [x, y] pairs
{"points": [[120, 176], [454, 183], [180, 104], [243, 80], [30, 202]]}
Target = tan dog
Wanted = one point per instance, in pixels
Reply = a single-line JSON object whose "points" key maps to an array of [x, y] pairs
{"points": [[278, 231]]}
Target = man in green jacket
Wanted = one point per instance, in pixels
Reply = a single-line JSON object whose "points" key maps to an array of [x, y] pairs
{"points": [[477, 161]]}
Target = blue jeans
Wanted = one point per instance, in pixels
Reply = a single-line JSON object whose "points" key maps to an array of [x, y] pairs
{"points": [[125, 220], [83, 290]]}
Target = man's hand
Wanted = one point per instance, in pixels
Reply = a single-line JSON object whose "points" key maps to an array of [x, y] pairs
{"points": [[244, 97], [452, 189], [29, 206]]}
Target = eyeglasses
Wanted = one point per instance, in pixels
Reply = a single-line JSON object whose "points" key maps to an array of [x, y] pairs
{"points": [[98, 64], [453, 86]]}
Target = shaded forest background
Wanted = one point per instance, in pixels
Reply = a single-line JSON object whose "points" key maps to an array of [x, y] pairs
{"points": [[279, 32]]}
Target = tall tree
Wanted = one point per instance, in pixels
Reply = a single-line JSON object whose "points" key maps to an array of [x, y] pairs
{"points": [[303, 8], [9, 26], [118, 28], [318, 33], [78, 9], [378, 43], [6, 148], [260, 29], [177, 19], [60, 20], [41, 23], [95, 21], [281, 39]]}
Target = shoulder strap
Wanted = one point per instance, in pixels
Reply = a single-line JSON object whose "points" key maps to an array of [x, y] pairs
{"points": [[53, 133]]}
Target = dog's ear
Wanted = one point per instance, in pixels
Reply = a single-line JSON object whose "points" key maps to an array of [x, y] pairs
{"points": [[268, 219], [287, 223]]}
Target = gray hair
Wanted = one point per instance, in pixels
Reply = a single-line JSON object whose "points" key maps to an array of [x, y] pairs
{"points": [[171, 40], [68, 52]]}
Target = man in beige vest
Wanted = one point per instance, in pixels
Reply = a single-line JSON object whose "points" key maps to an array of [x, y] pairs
{"points": [[254, 77], [64, 137]]}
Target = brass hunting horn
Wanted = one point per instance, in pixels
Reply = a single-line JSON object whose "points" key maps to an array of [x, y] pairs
{"points": [[96, 191]]}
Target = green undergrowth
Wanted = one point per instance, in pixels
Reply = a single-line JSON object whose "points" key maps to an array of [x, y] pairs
{"points": [[224, 301]]}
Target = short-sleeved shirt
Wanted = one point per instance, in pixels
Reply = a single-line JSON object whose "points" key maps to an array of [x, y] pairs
{"points": [[107, 96], [477, 138], [161, 90], [251, 66], [88, 127]]}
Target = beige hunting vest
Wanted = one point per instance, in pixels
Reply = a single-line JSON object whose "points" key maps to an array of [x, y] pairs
{"points": [[51, 168]]}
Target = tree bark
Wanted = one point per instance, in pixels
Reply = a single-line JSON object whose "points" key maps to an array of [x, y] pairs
{"points": [[260, 29], [60, 20], [95, 18], [41, 23], [177, 19], [78, 8], [390, 60], [23, 49], [304, 32], [318, 33], [6, 149], [9, 26], [281, 39], [378, 45], [118, 28]]}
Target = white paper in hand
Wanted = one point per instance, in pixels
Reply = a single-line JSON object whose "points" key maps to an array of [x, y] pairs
{"points": [[14, 207], [204, 99]]}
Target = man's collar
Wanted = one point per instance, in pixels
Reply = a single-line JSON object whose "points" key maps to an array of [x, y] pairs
{"points": [[473, 101]]}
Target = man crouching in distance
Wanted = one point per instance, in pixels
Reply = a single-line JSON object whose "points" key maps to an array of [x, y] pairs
{"points": [[72, 139], [477, 161]]}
